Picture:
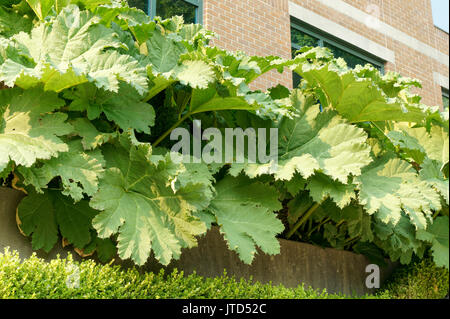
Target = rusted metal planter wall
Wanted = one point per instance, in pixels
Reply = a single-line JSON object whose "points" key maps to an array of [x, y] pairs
{"points": [[335, 270]]}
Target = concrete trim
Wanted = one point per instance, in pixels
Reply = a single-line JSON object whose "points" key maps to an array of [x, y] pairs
{"points": [[385, 29], [441, 80], [340, 32]]}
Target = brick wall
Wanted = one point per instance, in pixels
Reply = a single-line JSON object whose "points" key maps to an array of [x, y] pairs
{"points": [[258, 27], [262, 27]]}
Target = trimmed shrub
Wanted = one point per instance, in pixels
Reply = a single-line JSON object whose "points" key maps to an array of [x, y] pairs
{"points": [[419, 280], [33, 278], [66, 278]]}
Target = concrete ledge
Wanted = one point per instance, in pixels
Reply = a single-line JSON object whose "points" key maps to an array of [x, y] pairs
{"points": [[335, 270], [383, 28], [440, 80], [339, 31]]}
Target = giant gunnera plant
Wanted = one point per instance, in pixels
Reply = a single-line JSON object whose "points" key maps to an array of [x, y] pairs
{"points": [[93, 92]]}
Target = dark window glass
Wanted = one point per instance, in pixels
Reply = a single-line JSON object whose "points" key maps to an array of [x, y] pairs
{"points": [[445, 99], [169, 8], [302, 39], [296, 79], [141, 4], [351, 59]]}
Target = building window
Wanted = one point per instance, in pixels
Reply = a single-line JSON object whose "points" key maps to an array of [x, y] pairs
{"points": [[304, 35], [191, 10], [445, 98], [140, 4]]}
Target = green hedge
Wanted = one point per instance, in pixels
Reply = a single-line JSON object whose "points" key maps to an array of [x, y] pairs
{"points": [[34, 278], [418, 280]]}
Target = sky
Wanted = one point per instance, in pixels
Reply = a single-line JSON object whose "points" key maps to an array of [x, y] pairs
{"points": [[440, 13]]}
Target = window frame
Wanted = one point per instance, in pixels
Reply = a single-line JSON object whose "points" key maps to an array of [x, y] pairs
{"points": [[323, 37], [151, 4]]}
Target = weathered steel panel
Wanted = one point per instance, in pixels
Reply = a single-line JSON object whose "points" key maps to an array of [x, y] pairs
{"points": [[337, 271]]}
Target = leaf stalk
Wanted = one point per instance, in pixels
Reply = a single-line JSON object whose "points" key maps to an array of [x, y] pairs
{"points": [[302, 220]]}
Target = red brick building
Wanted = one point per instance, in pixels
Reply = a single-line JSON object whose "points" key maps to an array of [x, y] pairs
{"points": [[397, 35]]}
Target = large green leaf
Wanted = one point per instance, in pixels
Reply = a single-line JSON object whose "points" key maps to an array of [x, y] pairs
{"points": [[398, 241], [124, 109], [312, 142], [357, 99], [41, 7], [139, 221], [44, 216], [322, 187], [88, 4], [418, 143], [428, 149], [135, 20], [210, 99], [12, 22], [139, 203], [165, 64], [431, 173], [72, 49], [79, 171], [359, 223], [29, 131], [437, 235], [163, 52], [91, 137], [241, 68], [244, 211], [390, 185], [195, 73]]}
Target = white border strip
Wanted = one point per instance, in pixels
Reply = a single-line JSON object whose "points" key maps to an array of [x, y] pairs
{"points": [[441, 80], [386, 29], [340, 32]]}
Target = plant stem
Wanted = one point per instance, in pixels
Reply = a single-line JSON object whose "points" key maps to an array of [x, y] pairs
{"points": [[318, 226], [340, 223], [376, 126], [162, 137], [302, 220], [310, 224], [350, 241]]}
